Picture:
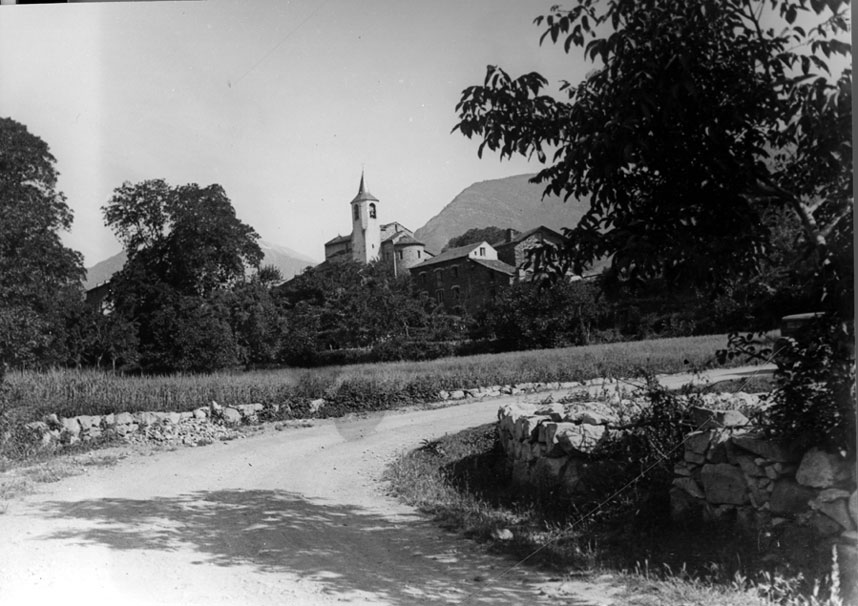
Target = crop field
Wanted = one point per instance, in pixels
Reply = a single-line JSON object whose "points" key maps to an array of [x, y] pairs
{"points": [[358, 387]]}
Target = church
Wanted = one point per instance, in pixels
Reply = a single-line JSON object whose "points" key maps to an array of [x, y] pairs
{"points": [[391, 243]]}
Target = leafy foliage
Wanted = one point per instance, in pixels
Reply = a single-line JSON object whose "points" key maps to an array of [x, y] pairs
{"points": [[694, 120], [699, 120], [532, 315], [187, 251], [348, 305], [38, 274], [489, 234]]}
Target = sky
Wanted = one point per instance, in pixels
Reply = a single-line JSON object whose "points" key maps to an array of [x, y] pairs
{"points": [[283, 103]]}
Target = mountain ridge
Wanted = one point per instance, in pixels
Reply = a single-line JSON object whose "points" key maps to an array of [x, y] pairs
{"points": [[288, 261], [509, 202]]}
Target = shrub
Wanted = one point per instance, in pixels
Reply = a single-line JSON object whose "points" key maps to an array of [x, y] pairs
{"points": [[814, 403]]}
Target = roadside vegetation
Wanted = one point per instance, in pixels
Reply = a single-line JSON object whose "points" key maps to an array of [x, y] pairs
{"points": [[462, 480], [30, 395]]}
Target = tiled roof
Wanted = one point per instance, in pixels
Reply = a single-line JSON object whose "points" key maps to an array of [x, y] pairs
{"points": [[407, 240], [453, 253], [338, 240], [525, 235], [496, 265]]}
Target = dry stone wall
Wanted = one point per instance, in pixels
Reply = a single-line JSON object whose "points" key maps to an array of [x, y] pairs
{"points": [[200, 426], [731, 473]]}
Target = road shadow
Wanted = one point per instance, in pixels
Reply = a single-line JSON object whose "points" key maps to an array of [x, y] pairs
{"points": [[346, 550]]}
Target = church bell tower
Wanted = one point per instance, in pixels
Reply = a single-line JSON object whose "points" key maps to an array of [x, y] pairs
{"points": [[366, 232]]}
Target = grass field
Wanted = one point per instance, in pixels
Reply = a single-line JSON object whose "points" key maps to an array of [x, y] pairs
{"points": [[366, 386]]}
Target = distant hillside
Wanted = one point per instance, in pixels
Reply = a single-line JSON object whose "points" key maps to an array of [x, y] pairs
{"points": [[288, 261], [510, 202]]}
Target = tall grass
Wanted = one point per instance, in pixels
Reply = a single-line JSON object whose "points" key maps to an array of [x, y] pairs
{"points": [[364, 386]]}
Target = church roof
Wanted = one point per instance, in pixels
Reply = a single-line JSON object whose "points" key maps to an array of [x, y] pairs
{"points": [[338, 240], [363, 195], [407, 240]]}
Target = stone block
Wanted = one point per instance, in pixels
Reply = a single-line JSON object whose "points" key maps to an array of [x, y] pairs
{"points": [[108, 420], [231, 416], [124, 418], [768, 449], [790, 497], [579, 438], [724, 483], [681, 469], [823, 525], [146, 418], [821, 469], [590, 413], [698, 441], [689, 486], [201, 414], [526, 427], [836, 510], [749, 467], [694, 458], [457, 394], [717, 452], [315, 406], [87, 421], [703, 418], [853, 507], [70, 427], [831, 494], [554, 411]]}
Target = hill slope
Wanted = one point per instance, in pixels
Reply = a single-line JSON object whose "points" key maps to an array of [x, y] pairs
{"points": [[509, 202], [288, 261]]}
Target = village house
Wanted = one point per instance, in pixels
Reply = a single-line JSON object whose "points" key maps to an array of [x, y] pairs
{"points": [[466, 277]]}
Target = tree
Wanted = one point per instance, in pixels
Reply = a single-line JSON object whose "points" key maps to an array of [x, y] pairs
{"points": [[185, 246], [347, 305], [694, 122], [38, 273], [699, 118], [475, 235], [536, 315]]}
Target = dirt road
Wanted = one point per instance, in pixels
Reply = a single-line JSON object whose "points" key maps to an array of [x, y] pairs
{"points": [[284, 517]]}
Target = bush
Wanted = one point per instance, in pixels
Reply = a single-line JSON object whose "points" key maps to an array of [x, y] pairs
{"points": [[814, 403]]}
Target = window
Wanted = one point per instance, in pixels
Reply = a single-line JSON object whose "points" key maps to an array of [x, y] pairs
{"points": [[454, 292], [357, 212], [399, 254], [438, 276], [482, 251], [439, 295], [455, 271], [372, 211], [418, 254], [423, 277]]}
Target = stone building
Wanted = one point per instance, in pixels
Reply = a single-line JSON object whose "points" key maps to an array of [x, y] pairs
{"points": [[391, 243], [513, 250], [466, 277]]}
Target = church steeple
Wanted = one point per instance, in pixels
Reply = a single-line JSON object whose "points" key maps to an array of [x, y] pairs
{"points": [[366, 232], [363, 195]]}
